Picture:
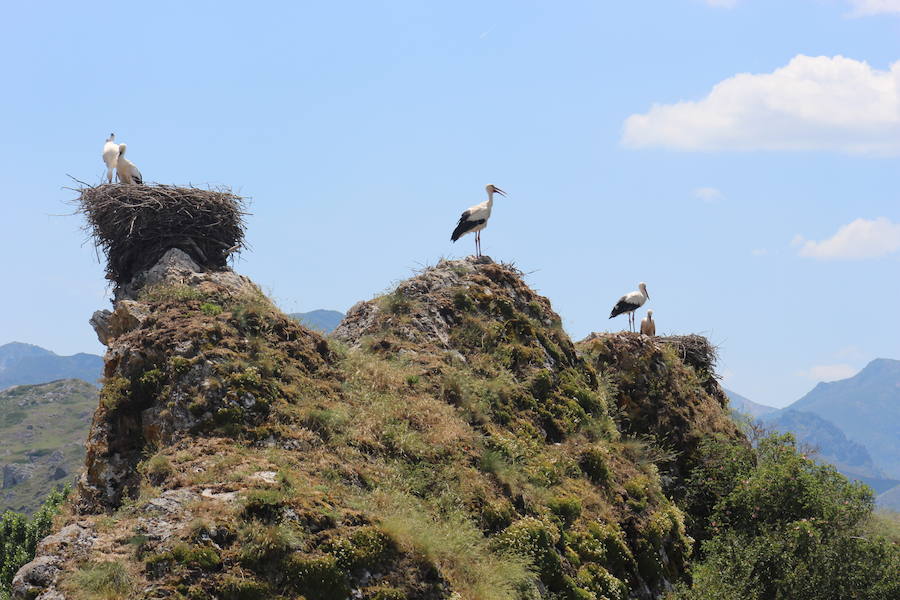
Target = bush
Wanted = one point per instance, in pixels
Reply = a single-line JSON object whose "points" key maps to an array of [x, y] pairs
{"points": [[787, 528], [19, 536]]}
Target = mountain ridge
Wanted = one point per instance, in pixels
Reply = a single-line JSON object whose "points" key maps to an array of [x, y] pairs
{"points": [[867, 407], [27, 364]]}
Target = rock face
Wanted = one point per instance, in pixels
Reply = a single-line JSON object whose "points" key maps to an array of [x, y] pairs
{"points": [[15, 474], [454, 445], [161, 382]]}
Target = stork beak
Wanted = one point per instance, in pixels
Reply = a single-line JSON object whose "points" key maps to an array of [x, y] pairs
{"points": [[499, 191]]}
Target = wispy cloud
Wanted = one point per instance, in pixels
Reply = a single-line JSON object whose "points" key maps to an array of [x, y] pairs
{"points": [[709, 194], [829, 372], [866, 8], [722, 3], [813, 103], [857, 240], [759, 252]]}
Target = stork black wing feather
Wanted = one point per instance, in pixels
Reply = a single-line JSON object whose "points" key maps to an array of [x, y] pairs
{"points": [[622, 307], [464, 227]]}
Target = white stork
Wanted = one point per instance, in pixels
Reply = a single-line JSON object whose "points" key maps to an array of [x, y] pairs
{"points": [[648, 325], [110, 156], [631, 302], [476, 217], [127, 170]]}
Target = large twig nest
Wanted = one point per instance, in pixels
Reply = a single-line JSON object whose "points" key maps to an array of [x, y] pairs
{"points": [[695, 350], [135, 225]]}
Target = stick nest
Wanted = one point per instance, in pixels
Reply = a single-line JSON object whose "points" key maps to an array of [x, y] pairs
{"points": [[695, 350], [134, 225]]}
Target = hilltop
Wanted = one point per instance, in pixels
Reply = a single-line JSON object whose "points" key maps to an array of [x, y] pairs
{"points": [[454, 432], [24, 364]]}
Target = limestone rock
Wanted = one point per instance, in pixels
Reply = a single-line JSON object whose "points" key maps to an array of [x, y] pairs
{"points": [[100, 322], [35, 577]]}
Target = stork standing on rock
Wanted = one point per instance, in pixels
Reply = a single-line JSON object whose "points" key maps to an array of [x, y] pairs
{"points": [[631, 302], [127, 170], [110, 156], [476, 217], [648, 325]]}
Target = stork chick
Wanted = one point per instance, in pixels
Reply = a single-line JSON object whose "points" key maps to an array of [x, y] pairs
{"points": [[110, 156], [475, 218], [629, 303], [648, 325], [127, 170]]}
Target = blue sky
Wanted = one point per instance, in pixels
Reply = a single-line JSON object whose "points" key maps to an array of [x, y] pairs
{"points": [[761, 209]]}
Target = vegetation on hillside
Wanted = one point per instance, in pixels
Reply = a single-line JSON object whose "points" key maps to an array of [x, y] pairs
{"points": [[42, 433], [784, 527], [450, 442], [19, 535]]}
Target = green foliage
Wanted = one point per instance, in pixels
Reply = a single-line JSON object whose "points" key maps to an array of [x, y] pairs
{"points": [[263, 545], [19, 536], [196, 557], [115, 392], [158, 468], [210, 309], [317, 577], [100, 581], [594, 464], [787, 528], [237, 588]]}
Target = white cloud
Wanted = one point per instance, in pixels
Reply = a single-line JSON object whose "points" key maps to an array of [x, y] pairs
{"points": [[865, 8], [759, 252], [813, 103], [709, 194], [722, 3], [829, 372], [856, 240]]}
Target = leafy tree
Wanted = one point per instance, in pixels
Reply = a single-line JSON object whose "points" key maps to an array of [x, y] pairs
{"points": [[19, 536], [787, 528]]}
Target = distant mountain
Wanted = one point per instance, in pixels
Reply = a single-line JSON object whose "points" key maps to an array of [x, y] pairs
{"points": [[890, 499], [22, 364], [866, 407], [746, 406], [849, 457], [42, 434], [324, 321]]}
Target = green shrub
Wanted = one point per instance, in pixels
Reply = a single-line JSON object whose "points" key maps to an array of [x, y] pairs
{"points": [[787, 528], [238, 588], [19, 536], [196, 557], [210, 309]]}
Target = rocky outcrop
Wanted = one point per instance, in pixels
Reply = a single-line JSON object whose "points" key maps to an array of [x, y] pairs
{"points": [[162, 382], [14, 474], [454, 441]]}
